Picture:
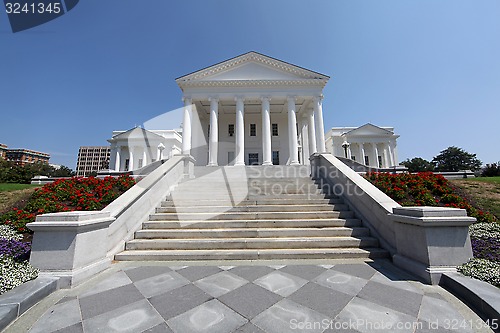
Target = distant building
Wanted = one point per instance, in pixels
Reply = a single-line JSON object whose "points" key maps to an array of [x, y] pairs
{"points": [[92, 159], [23, 156], [370, 145], [3, 150]]}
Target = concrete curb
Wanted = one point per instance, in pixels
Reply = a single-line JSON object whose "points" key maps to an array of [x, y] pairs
{"points": [[482, 297], [18, 300]]}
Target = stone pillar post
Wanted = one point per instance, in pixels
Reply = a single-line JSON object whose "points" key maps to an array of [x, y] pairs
{"points": [[320, 129], [266, 131], [304, 139], [240, 131], [375, 155], [391, 157], [117, 160], [214, 132], [312, 133], [292, 131], [362, 153], [130, 158], [186, 126]]}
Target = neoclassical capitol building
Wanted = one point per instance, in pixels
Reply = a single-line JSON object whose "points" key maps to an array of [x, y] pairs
{"points": [[252, 110]]}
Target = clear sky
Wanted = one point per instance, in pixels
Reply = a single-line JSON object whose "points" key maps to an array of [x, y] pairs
{"points": [[429, 68]]}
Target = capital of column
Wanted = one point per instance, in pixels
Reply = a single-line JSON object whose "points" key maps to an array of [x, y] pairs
{"points": [[187, 100], [214, 99], [265, 98], [239, 98], [291, 99], [318, 98]]}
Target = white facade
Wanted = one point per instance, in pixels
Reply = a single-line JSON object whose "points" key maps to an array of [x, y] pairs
{"points": [[252, 109], [136, 148], [368, 144]]}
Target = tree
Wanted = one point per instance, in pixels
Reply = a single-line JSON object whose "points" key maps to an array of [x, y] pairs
{"points": [[456, 159], [491, 170], [62, 171], [418, 164]]}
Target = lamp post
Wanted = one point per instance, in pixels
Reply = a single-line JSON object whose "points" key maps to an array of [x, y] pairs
{"points": [[345, 145]]}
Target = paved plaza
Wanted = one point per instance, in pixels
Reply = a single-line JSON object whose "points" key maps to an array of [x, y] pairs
{"points": [[320, 296]]}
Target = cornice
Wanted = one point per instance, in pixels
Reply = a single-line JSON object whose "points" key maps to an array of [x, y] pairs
{"points": [[254, 83]]}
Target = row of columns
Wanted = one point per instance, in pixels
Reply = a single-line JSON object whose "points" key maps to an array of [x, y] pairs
{"points": [[159, 156], [388, 156], [316, 135]]}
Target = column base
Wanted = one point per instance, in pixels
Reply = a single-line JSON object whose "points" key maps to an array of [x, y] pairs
{"points": [[294, 163], [212, 164], [239, 164], [267, 163]]}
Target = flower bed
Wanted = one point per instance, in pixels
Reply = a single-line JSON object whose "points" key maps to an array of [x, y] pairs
{"points": [[62, 195], [428, 189], [68, 195]]}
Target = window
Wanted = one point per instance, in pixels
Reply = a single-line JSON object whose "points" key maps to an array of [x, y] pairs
{"points": [[353, 158], [275, 129], [253, 158], [253, 130], [380, 161], [276, 157], [230, 129], [208, 131], [367, 160], [126, 164]]}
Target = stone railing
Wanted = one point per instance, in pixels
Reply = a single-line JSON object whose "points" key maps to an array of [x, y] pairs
{"points": [[426, 241], [76, 245]]}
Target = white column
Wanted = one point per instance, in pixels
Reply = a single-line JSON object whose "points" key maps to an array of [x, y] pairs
{"points": [[144, 157], [266, 132], [214, 132], [349, 153], [320, 129], [130, 158], [312, 133], [395, 152], [186, 126], [240, 132], [391, 157], [117, 160], [375, 155], [304, 140], [292, 131], [386, 155], [362, 153]]}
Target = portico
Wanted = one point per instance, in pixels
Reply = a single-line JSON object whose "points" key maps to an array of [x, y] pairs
{"points": [[253, 110]]}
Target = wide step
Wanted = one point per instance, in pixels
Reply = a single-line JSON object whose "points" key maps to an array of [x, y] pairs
{"points": [[252, 254]]}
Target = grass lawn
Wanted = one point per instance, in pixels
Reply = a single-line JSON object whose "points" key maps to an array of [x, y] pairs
{"points": [[6, 187], [485, 191], [13, 194]]}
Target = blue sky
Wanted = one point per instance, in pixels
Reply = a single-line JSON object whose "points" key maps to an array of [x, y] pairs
{"points": [[429, 68]]}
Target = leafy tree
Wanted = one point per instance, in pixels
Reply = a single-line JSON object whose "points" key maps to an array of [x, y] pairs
{"points": [[13, 173], [63, 171], [456, 159], [491, 170], [418, 164]]}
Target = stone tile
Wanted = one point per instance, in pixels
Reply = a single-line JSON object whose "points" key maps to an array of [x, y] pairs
{"points": [[76, 328], [249, 328], [160, 284], [194, 273], [364, 316], [212, 316], [162, 328], [398, 283], [178, 301], [439, 312], [251, 273], [308, 272], [221, 283], [135, 317], [281, 283], [393, 298], [66, 299], [116, 280], [58, 317], [321, 299], [144, 272], [344, 283], [363, 271], [287, 316], [109, 300], [250, 300]]}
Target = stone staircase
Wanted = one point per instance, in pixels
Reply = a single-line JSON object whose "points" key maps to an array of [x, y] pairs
{"points": [[248, 213]]}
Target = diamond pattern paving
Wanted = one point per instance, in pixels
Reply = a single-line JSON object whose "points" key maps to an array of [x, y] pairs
{"points": [[356, 297]]}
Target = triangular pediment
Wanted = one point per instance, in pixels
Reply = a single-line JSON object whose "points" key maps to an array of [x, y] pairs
{"points": [[135, 133], [252, 66], [369, 130]]}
